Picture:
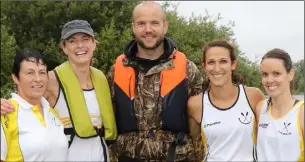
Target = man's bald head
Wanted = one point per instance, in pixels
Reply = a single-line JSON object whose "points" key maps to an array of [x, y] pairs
{"points": [[148, 4], [149, 25]]}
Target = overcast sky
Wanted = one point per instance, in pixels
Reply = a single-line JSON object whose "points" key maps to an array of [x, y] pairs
{"points": [[259, 26]]}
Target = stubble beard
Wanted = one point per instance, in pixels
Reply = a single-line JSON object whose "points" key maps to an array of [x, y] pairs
{"points": [[156, 45]]}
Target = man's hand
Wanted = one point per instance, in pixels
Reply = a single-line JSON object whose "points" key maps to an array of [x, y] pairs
{"points": [[6, 106]]}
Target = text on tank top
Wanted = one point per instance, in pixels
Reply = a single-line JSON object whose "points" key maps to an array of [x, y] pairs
{"points": [[280, 139], [228, 133]]}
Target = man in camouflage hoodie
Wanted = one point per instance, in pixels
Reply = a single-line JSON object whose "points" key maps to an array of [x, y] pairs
{"points": [[150, 85]]}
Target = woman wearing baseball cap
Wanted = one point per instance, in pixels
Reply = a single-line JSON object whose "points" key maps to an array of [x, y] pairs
{"points": [[80, 95]]}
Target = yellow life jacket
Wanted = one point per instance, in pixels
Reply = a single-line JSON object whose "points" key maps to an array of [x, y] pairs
{"points": [[76, 104]]}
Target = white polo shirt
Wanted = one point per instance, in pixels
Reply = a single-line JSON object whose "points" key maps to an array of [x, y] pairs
{"points": [[27, 136]]}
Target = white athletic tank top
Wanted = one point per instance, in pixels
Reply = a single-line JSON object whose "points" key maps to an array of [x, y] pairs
{"points": [[83, 149], [280, 139], [228, 134]]}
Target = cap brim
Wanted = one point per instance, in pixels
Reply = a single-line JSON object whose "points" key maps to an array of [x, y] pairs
{"points": [[67, 35]]}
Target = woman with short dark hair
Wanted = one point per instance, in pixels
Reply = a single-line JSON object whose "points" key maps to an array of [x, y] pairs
{"points": [[33, 132]]}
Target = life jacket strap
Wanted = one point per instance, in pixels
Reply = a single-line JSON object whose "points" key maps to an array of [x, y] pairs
{"points": [[70, 131]]}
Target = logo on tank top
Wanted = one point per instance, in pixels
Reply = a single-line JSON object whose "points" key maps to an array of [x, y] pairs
{"points": [[55, 121], [285, 130], [245, 119], [264, 125], [211, 124]]}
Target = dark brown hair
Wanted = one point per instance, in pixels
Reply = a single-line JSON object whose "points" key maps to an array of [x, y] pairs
{"points": [[27, 54], [236, 78], [277, 53]]}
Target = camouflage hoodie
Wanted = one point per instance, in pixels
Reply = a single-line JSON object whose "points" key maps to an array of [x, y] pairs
{"points": [[154, 145]]}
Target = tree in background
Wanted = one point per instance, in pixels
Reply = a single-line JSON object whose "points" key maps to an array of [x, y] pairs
{"points": [[299, 77], [190, 35], [8, 50], [38, 25]]}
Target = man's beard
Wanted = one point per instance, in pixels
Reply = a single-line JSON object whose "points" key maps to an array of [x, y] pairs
{"points": [[156, 45]]}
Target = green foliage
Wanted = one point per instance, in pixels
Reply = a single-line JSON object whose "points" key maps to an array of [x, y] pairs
{"points": [[250, 72], [38, 24], [190, 35], [111, 44], [299, 77], [8, 49]]}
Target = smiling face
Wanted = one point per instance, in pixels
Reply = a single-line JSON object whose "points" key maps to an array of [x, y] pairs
{"points": [[218, 66], [79, 48], [275, 78], [149, 25], [32, 79]]}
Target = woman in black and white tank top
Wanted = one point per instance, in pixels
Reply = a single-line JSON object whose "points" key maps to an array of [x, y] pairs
{"points": [[225, 111]]}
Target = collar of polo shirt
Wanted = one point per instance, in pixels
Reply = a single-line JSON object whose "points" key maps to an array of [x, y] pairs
{"points": [[24, 104]]}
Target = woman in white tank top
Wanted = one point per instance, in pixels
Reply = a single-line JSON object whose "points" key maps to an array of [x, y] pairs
{"points": [[225, 110], [281, 118]]}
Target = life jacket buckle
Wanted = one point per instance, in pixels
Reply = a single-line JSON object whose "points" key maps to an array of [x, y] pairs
{"points": [[100, 131]]}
